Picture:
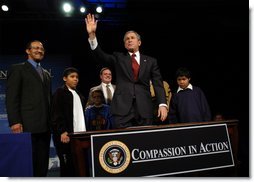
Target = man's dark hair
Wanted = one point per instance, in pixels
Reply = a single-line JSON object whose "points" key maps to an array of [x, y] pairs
{"points": [[28, 45], [132, 31], [69, 71], [183, 72]]}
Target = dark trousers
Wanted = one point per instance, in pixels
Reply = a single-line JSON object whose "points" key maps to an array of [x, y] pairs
{"points": [[63, 150], [67, 168], [133, 118], [40, 150]]}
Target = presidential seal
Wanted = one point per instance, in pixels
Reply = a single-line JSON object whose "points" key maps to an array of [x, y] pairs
{"points": [[114, 157]]}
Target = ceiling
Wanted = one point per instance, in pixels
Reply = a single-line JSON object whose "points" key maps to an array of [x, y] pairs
{"points": [[114, 10], [48, 9], [179, 20]]}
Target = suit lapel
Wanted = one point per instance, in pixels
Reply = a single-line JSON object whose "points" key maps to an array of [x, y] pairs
{"points": [[143, 63], [114, 87], [142, 68], [100, 87], [127, 62], [46, 76], [31, 69]]}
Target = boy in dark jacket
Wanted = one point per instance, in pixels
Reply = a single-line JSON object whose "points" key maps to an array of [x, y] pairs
{"points": [[189, 103], [67, 116]]}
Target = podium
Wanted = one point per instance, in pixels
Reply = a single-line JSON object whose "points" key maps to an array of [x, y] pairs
{"points": [[81, 142], [16, 155]]}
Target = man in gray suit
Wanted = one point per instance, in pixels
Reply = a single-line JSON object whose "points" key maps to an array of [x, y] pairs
{"points": [[106, 87], [132, 102], [28, 98]]}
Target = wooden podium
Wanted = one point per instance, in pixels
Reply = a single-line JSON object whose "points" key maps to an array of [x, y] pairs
{"points": [[80, 141]]}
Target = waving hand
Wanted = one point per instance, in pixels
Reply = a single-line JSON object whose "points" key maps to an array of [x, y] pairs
{"points": [[91, 25]]}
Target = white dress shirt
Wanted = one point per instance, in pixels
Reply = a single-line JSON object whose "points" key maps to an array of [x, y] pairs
{"points": [[104, 89], [78, 113], [93, 43], [137, 57]]}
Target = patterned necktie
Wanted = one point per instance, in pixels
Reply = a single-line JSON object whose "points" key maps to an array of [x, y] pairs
{"points": [[39, 70], [109, 94], [135, 66]]}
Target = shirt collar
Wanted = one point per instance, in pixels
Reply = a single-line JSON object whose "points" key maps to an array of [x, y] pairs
{"points": [[137, 57], [188, 87], [70, 89], [137, 54], [104, 84], [32, 62]]}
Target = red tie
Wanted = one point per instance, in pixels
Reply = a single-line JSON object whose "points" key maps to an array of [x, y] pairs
{"points": [[135, 66]]}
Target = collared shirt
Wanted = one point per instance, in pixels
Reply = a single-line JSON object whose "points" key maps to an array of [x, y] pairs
{"points": [[93, 43], [104, 89], [32, 62], [188, 87], [137, 57], [78, 113]]}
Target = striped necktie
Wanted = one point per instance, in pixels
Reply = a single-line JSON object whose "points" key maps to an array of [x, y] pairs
{"points": [[39, 70], [109, 94]]}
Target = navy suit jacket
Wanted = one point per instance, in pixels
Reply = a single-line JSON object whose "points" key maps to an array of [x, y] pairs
{"points": [[127, 88]]}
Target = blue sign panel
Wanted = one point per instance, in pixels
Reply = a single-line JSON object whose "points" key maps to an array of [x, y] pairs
{"points": [[161, 152]]}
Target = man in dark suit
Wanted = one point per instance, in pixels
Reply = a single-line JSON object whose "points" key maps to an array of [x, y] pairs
{"points": [[28, 98], [132, 102], [106, 78]]}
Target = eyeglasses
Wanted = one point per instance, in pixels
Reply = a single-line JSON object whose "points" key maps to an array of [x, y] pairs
{"points": [[38, 48]]}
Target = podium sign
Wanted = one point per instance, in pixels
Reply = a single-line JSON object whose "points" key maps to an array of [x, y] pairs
{"points": [[161, 152]]}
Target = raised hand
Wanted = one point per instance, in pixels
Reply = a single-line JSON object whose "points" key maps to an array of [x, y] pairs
{"points": [[91, 25]]}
